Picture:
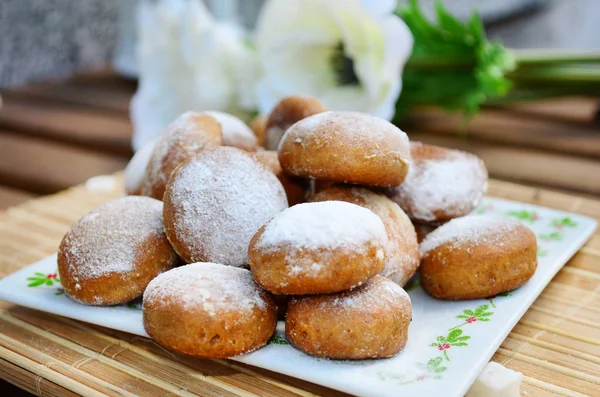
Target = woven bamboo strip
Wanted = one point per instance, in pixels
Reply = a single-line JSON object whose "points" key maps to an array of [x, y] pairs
{"points": [[554, 347], [48, 373], [21, 214], [569, 302], [171, 361], [80, 367], [18, 231], [31, 382], [577, 346], [567, 317], [583, 273], [528, 389], [558, 331], [591, 251], [548, 378], [98, 356], [561, 391], [549, 365]]}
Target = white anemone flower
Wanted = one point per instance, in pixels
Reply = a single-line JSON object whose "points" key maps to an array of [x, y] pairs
{"points": [[188, 61], [347, 53]]}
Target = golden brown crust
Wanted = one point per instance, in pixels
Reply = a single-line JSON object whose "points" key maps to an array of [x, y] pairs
{"points": [[287, 112], [402, 251], [442, 184], [336, 326], [315, 248], [473, 270], [342, 270], [346, 147], [258, 125], [152, 256], [184, 139], [224, 332], [295, 188]]}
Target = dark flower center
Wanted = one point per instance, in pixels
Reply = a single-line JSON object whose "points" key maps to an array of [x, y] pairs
{"points": [[343, 67]]}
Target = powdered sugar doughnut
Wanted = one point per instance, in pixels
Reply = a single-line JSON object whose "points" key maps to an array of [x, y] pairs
{"points": [[216, 202], [287, 112], [316, 248], [295, 188], [442, 184], [402, 251], [110, 255], [183, 139], [235, 132], [208, 310], [477, 257], [368, 322], [348, 147], [135, 172]]}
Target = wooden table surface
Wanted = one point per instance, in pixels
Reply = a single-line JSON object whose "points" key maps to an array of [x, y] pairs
{"points": [[56, 135]]}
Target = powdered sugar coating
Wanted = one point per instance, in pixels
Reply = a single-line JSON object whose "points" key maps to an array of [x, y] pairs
{"points": [[347, 147], [374, 294], [107, 239], [235, 132], [211, 287], [367, 322], [441, 184], [288, 111], [136, 168], [183, 138], [359, 128], [402, 251], [328, 224], [469, 230], [215, 203]]}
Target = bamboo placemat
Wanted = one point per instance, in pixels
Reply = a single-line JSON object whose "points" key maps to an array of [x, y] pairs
{"points": [[556, 345]]}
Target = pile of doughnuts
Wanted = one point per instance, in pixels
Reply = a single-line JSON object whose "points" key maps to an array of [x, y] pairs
{"points": [[221, 236]]}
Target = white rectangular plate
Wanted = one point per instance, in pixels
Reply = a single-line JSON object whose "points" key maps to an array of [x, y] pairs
{"points": [[449, 342]]}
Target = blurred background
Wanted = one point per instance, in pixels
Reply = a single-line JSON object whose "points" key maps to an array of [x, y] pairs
{"points": [[53, 39], [68, 70]]}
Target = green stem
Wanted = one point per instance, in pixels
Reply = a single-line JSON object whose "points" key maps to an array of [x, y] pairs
{"points": [[564, 74], [458, 326], [553, 57]]}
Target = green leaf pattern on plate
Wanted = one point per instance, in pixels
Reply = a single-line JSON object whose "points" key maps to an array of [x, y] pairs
{"points": [[40, 279]]}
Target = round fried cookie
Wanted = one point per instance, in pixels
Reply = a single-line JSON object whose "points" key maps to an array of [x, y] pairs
{"points": [[347, 147], [235, 132], [442, 184], [208, 310], [109, 256], [287, 112], [215, 203], [370, 321], [402, 251], [477, 257], [183, 139], [315, 248]]}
